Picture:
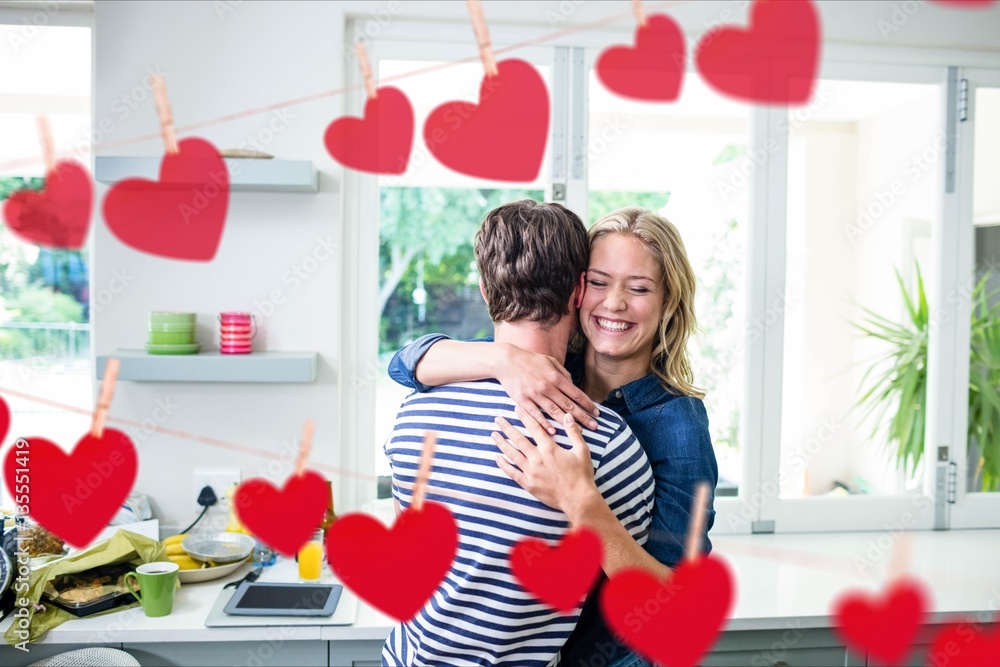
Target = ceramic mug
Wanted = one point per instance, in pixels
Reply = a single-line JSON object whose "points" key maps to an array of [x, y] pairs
{"points": [[236, 330], [157, 582]]}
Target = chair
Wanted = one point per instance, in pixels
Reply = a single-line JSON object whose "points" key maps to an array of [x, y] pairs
{"points": [[98, 656]]}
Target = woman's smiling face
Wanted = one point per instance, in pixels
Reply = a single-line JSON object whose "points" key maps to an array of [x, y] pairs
{"points": [[621, 307]]}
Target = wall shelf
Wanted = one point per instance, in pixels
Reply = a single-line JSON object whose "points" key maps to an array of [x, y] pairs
{"points": [[138, 366], [245, 175]]}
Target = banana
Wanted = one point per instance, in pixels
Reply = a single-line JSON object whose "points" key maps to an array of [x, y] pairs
{"points": [[185, 562], [176, 550], [173, 539]]}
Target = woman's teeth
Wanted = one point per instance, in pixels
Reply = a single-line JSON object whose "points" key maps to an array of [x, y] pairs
{"points": [[613, 326]]}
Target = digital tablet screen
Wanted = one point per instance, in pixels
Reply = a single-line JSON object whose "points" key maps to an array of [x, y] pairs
{"points": [[278, 599], [285, 597]]}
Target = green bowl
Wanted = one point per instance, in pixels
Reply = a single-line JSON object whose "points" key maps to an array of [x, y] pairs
{"points": [[192, 348], [170, 318], [171, 337], [183, 328]]}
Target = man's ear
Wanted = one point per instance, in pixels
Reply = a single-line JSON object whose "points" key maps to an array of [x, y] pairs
{"points": [[580, 289]]}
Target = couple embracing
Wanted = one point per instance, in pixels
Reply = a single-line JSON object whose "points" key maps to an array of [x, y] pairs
{"points": [[579, 412]]}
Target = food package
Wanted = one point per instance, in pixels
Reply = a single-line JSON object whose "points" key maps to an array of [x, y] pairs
{"points": [[41, 615]]}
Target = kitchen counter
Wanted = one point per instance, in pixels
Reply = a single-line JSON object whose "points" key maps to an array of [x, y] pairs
{"points": [[786, 586], [187, 621]]}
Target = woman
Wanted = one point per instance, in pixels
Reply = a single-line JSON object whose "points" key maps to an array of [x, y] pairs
{"points": [[636, 315]]}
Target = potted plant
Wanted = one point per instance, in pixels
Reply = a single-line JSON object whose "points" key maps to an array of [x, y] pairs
{"points": [[896, 384]]}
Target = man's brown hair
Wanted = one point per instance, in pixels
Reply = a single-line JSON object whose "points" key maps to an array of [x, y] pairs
{"points": [[530, 258]]}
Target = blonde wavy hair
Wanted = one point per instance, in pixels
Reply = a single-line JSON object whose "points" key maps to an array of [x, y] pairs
{"points": [[671, 361]]}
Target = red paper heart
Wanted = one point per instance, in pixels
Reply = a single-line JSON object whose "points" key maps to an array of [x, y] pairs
{"points": [[559, 577], [883, 626], [380, 142], [72, 495], [673, 621], [285, 519], [4, 419], [58, 216], [653, 70], [182, 215], [774, 61], [966, 645], [501, 138], [395, 570]]}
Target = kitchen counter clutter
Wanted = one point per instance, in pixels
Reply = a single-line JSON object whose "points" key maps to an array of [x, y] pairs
{"points": [[192, 603], [786, 586]]}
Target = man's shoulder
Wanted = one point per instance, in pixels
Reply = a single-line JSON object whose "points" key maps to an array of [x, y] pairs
{"points": [[609, 419], [613, 435], [488, 387]]}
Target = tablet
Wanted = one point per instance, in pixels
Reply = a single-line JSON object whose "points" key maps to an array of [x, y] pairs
{"points": [[277, 599]]}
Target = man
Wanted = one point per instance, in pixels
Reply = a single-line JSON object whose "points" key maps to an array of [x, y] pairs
{"points": [[532, 258]]}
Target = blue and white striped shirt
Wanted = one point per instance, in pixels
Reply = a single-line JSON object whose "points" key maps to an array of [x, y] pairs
{"points": [[480, 614]]}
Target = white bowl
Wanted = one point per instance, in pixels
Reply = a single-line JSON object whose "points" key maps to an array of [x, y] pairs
{"points": [[209, 573], [218, 547]]}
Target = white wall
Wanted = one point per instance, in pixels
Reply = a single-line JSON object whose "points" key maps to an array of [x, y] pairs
{"points": [[266, 53], [253, 56]]}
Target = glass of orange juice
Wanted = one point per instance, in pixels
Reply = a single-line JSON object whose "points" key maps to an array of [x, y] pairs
{"points": [[311, 559]]}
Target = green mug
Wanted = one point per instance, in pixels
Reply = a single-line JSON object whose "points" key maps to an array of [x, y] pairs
{"points": [[157, 582]]}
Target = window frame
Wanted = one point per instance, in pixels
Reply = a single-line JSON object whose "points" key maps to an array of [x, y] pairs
{"points": [[969, 509], [755, 507], [359, 242]]}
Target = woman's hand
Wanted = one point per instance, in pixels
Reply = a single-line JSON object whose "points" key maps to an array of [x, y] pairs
{"points": [[539, 383], [561, 478]]}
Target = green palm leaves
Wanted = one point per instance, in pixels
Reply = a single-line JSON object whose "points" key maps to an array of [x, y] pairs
{"points": [[895, 385]]}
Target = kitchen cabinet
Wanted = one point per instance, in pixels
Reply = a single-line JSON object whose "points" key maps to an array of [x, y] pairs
{"points": [[781, 614], [817, 648], [811, 647], [273, 653]]}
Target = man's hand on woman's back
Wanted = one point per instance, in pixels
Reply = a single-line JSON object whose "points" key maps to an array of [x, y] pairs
{"points": [[541, 384]]}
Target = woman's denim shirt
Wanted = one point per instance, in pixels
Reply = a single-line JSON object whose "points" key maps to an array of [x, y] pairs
{"points": [[673, 430]]}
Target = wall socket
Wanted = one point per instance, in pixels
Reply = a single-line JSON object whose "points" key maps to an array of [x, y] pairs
{"points": [[220, 479]]}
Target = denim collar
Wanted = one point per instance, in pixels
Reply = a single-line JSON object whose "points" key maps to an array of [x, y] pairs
{"points": [[637, 395], [633, 397]]}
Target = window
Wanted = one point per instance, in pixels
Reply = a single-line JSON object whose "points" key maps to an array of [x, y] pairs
{"points": [[44, 293], [974, 460], [808, 228], [688, 161], [427, 218], [861, 205]]}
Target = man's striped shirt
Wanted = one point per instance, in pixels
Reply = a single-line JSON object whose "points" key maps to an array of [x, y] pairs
{"points": [[480, 614]]}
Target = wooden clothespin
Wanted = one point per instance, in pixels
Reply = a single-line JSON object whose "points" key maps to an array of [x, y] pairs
{"points": [[692, 547], [305, 446], [45, 136], [482, 37], [899, 561], [104, 398], [424, 470], [366, 70], [640, 15], [163, 112]]}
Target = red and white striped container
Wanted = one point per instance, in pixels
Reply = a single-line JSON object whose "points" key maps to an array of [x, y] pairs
{"points": [[236, 331]]}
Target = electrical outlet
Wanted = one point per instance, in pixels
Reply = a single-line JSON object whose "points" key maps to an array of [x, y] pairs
{"points": [[220, 479]]}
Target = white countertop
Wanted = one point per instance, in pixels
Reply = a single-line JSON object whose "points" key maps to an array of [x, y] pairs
{"points": [[186, 623], [798, 578], [781, 580]]}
